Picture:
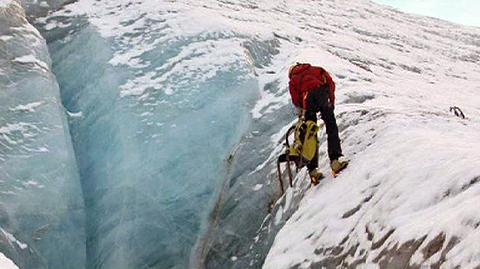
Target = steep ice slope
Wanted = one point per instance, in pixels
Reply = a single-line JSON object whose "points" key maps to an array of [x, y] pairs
{"points": [[138, 76], [40, 197], [397, 76], [411, 194]]}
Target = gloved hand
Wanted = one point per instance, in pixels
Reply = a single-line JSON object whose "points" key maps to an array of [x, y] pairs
{"points": [[298, 111], [331, 105]]}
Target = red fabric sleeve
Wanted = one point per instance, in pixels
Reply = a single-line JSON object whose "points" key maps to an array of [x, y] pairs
{"points": [[294, 94]]}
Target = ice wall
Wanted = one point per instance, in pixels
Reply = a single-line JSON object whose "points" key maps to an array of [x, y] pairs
{"points": [[154, 111], [42, 219], [39, 8], [158, 93]]}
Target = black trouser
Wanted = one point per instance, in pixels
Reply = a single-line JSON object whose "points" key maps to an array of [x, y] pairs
{"points": [[317, 101]]}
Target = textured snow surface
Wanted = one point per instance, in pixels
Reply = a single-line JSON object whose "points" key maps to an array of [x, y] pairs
{"points": [[30, 59], [397, 75], [157, 94], [410, 195], [5, 263], [4, 3]]}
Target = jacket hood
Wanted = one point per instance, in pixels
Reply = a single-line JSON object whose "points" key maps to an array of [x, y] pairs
{"points": [[297, 69]]}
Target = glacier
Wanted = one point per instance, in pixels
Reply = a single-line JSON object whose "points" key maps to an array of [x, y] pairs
{"points": [[162, 122], [42, 208], [152, 118]]}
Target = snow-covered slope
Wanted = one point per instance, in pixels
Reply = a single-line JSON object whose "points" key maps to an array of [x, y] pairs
{"points": [[413, 162], [6, 263], [158, 92], [410, 196]]}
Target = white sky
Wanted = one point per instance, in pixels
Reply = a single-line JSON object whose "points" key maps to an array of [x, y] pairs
{"points": [[459, 11]]}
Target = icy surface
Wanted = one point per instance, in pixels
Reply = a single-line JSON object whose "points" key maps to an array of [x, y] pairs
{"points": [[397, 77], [154, 111], [39, 8], [158, 93], [40, 197]]}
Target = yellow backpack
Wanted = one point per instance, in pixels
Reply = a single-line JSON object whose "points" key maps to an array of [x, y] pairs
{"points": [[305, 142], [302, 151]]}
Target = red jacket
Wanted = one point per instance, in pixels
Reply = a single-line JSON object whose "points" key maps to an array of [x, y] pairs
{"points": [[304, 78]]}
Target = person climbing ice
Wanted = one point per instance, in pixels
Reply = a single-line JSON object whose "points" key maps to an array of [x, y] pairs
{"points": [[312, 90]]}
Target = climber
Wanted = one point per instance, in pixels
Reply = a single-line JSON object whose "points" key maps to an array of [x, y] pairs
{"points": [[312, 90]]}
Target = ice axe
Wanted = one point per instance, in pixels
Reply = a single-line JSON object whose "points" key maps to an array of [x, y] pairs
{"points": [[303, 150], [457, 111], [287, 158]]}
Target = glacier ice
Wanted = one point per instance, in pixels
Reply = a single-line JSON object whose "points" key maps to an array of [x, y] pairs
{"points": [[41, 202], [161, 100], [39, 8], [155, 120]]}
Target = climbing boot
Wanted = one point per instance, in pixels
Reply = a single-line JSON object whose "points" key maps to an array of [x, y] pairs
{"points": [[338, 165], [315, 176]]}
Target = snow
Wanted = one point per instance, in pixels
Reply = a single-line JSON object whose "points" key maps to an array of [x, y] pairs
{"points": [[394, 91], [75, 114], [418, 184], [5, 3], [181, 64], [28, 107], [257, 187], [11, 131], [198, 67], [5, 38], [12, 239], [5, 263], [462, 12], [414, 165], [403, 71], [30, 59]]}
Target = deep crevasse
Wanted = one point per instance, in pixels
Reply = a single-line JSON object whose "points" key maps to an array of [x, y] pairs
{"points": [[137, 76], [153, 112], [140, 146]]}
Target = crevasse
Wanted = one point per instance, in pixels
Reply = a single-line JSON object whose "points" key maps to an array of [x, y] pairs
{"points": [[150, 129], [171, 162], [149, 156]]}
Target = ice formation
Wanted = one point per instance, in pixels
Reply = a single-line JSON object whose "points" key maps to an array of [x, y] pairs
{"points": [[176, 112], [41, 204]]}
